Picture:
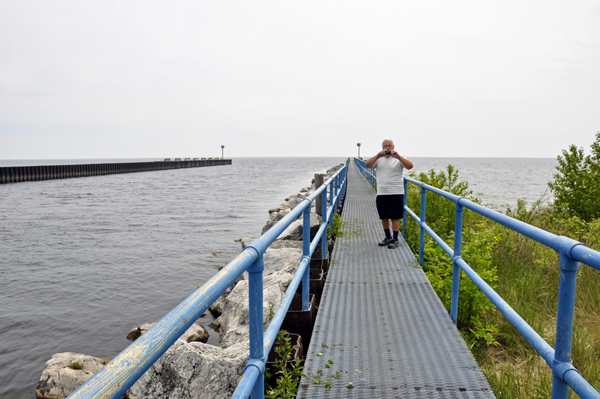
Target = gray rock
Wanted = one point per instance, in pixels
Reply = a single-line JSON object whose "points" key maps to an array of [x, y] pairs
{"points": [[245, 241], [235, 321], [294, 202], [58, 380], [216, 324], [195, 333], [295, 229], [281, 207], [217, 307], [274, 218], [332, 171], [277, 244], [193, 370], [281, 260]]}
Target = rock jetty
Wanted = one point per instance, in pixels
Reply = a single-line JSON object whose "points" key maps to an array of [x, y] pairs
{"points": [[191, 368]]}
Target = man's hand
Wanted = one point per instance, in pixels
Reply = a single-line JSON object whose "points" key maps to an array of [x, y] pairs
{"points": [[395, 154]]}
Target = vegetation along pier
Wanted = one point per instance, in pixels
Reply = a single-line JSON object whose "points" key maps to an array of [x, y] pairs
{"points": [[17, 174], [380, 329]]}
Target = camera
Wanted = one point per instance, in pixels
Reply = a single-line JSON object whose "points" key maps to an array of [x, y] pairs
{"points": [[388, 153]]}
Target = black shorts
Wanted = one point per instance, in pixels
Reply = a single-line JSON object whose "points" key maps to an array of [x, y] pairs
{"points": [[390, 206]]}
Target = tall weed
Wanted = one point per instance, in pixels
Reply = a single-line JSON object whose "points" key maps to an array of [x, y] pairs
{"points": [[529, 275], [479, 239], [523, 272]]}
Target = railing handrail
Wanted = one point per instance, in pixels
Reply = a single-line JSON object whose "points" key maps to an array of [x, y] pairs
{"points": [[114, 379], [571, 252]]}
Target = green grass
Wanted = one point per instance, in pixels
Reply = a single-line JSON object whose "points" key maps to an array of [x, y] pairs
{"points": [[528, 275], [525, 274]]}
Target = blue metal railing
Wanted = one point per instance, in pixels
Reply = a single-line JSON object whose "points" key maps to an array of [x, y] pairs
{"points": [[114, 379], [571, 254]]}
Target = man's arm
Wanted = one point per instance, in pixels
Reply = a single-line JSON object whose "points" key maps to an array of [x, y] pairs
{"points": [[405, 161], [371, 161]]}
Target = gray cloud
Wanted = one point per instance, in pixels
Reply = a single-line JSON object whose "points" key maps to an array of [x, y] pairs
{"points": [[153, 79]]}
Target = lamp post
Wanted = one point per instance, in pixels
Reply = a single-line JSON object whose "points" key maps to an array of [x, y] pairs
{"points": [[358, 145], [222, 151]]}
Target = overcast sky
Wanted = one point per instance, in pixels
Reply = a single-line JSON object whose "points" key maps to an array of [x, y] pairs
{"points": [[127, 79]]}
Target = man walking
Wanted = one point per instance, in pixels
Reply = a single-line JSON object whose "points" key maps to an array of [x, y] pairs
{"points": [[390, 190]]}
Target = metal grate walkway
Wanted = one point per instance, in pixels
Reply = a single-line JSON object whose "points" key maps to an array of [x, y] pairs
{"points": [[380, 324]]}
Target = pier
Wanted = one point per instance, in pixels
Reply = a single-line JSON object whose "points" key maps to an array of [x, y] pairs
{"points": [[381, 331], [17, 174]]}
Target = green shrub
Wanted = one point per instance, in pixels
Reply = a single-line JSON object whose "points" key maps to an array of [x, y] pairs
{"points": [[576, 186], [336, 228], [479, 240], [289, 375], [528, 280], [523, 272]]}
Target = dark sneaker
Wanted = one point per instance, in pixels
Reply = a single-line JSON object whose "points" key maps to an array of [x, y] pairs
{"points": [[393, 244], [385, 242]]}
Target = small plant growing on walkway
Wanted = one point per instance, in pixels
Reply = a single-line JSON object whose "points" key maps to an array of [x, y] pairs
{"points": [[336, 228], [289, 375]]}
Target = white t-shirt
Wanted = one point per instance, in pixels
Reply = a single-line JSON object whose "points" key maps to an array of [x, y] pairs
{"points": [[389, 176]]}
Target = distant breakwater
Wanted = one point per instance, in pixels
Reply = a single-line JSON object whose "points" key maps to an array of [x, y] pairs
{"points": [[17, 174]]}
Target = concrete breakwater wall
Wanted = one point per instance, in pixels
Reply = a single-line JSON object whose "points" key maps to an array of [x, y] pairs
{"points": [[17, 174]]}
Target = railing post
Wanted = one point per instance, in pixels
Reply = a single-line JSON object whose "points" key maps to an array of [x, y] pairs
{"points": [[331, 201], [306, 254], [341, 189], [324, 221], [373, 178], [255, 290], [422, 222], [564, 324], [404, 211], [458, 224], [335, 185]]}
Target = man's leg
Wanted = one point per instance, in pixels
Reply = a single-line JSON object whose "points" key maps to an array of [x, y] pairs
{"points": [[396, 229], [385, 223]]}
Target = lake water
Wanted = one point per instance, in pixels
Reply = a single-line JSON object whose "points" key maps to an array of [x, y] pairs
{"points": [[83, 261]]}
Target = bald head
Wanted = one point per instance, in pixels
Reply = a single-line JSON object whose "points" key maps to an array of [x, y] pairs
{"points": [[387, 143]]}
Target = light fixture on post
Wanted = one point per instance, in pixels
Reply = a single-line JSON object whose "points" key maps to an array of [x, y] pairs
{"points": [[222, 151], [358, 145]]}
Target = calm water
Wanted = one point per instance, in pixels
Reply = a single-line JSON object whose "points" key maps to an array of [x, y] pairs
{"points": [[86, 260]]}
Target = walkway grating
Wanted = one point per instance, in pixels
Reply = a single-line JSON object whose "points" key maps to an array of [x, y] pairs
{"points": [[380, 324]]}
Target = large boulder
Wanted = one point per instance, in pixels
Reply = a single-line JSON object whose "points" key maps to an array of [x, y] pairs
{"points": [[281, 259], [282, 207], [295, 230], [333, 170], [234, 322], [217, 306], [274, 218], [64, 373], [280, 256], [193, 370], [195, 333], [245, 241], [277, 244], [294, 202]]}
